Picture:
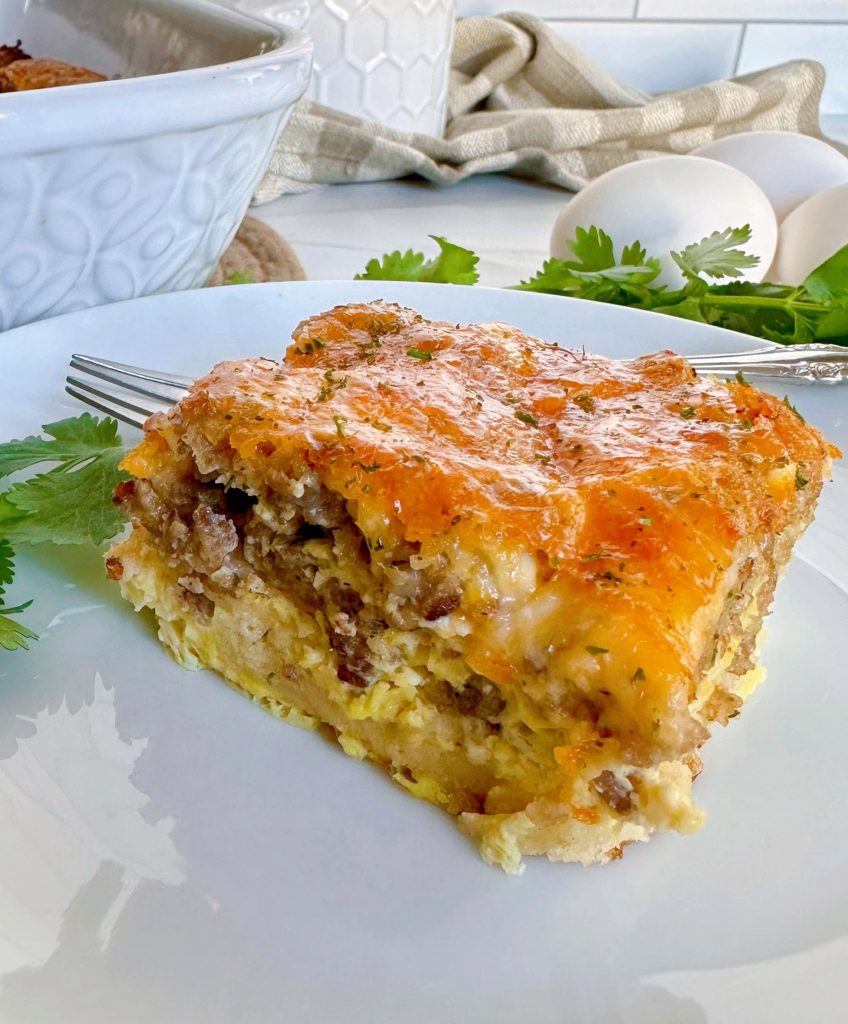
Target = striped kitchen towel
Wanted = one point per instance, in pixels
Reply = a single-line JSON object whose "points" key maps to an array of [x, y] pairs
{"points": [[524, 101]]}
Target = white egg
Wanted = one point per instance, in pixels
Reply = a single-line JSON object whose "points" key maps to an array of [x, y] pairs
{"points": [[810, 234], [787, 166], [668, 202]]}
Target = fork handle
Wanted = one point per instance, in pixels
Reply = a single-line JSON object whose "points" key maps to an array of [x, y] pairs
{"points": [[814, 363]]}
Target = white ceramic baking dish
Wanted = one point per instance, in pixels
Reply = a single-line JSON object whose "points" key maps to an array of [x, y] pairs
{"points": [[135, 185]]}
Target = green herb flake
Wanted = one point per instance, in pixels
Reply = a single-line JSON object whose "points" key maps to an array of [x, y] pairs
{"points": [[596, 555], [792, 408], [586, 402], [746, 424], [800, 480], [418, 353], [526, 417], [310, 347], [592, 649], [340, 422], [330, 385], [369, 467], [741, 379], [646, 521], [638, 676], [239, 277], [688, 412], [609, 576], [378, 425]]}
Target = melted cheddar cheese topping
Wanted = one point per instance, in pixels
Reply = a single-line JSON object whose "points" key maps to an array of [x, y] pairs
{"points": [[591, 507]]}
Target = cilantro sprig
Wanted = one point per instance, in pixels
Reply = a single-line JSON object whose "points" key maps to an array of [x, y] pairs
{"points": [[712, 292], [453, 265], [13, 635], [69, 503]]}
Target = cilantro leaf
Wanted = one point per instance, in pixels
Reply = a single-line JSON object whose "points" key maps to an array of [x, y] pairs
{"points": [[596, 259], [593, 249], [73, 440], [14, 635], [829, 281], [633, 255], [817, 310], [595, 273], [453, 265], [717, 255], [65, 506], [555, 276], [7, 568]]}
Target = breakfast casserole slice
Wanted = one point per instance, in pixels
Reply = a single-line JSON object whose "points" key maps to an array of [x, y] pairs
{"points": [[525, 580]]}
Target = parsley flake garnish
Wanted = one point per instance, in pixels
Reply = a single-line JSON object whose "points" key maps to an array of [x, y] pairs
{"points": [[340, 422], [800, 480], [418, 353], [646, 521], [740, 379], [526, 417], [331, 384], [687, 412], [638, 675], [310, 347], [586, 402], [592, 649], [609, 576], [792, 408]]}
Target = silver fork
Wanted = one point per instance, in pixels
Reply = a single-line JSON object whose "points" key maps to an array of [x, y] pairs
{"points": [[129, 385]]}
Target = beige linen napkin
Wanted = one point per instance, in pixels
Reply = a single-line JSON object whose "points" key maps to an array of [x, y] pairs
{"points": [[525, 101]]}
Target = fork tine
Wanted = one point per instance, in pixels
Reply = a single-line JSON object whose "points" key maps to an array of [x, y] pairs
{"points": [[104, 406], [118, 397], [167, 392], [87, 363]]}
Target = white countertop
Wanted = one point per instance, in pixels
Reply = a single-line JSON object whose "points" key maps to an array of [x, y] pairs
{"points": [[336, 229]]}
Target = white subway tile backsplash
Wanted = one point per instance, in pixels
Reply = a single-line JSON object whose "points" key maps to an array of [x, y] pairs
{"points": [[673, 44], [656, 57], [744, 10], [835, 126], [828, 44], [552, 8]]}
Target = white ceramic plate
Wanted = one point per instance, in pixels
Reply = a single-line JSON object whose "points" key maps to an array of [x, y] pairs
{"points": [[169, 853]]}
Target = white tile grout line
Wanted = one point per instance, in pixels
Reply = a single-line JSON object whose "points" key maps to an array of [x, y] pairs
{"points": [[739, 49], [651, 20]]}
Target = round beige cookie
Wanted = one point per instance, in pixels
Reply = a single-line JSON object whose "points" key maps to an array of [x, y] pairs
{"points": [[256, 254]]}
